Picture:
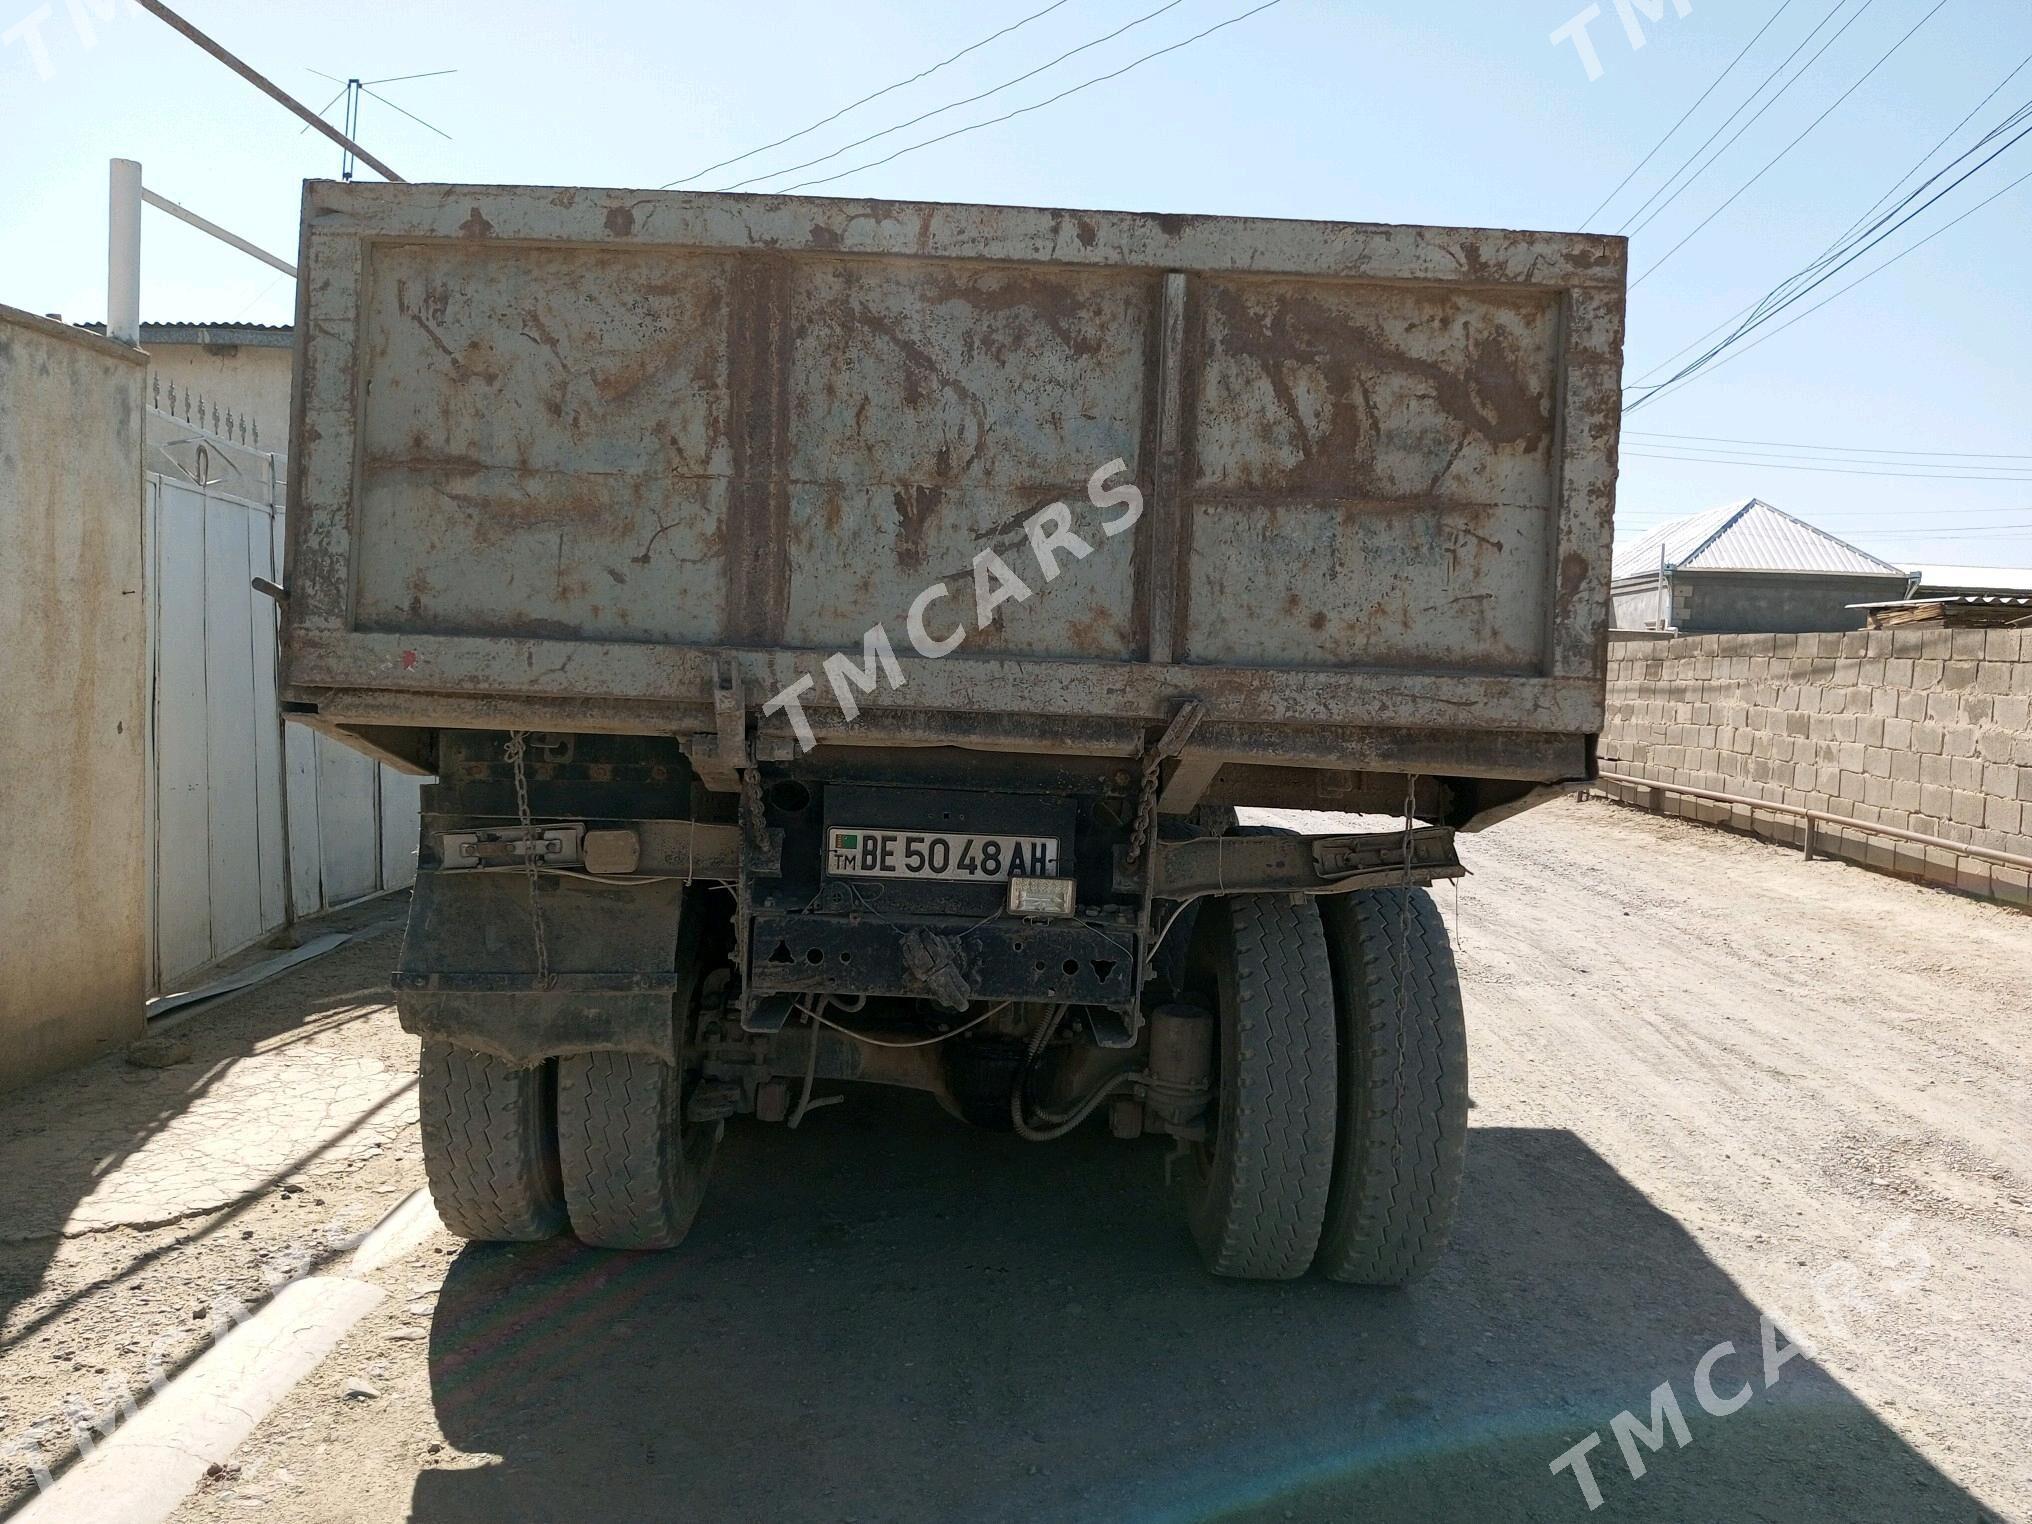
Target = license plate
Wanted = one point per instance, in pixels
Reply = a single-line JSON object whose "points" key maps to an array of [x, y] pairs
{"points": [[858, 852]]}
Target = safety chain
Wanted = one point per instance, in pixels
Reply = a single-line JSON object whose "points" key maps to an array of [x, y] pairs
{"points": [[1170, 744], [517, 754], [751, 807], [1146, 805]]}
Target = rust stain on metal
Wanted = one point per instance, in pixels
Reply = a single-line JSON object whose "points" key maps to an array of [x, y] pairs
{"points": [[1293, 340], [1059, 303], [760, 361], [916, 508], [1573, 576]]}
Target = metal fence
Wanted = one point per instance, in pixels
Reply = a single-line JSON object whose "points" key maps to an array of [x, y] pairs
{"points": [[252, 823]]}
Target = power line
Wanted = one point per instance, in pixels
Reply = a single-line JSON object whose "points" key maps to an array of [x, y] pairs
{"points": [[1789, 292], [1810, 126], [266, 86], [1949, 470], [1904, 522], [1710, 90], [1843, 290], [1851, 245], [1963, 533], [1849, 231], [1100, 79], [1944, 139], [770, 174], [1918, 519], [1783, 64], [872, 95], [1710, 362], [1849, 517], [1843, 449], [1708, 460], [1691, 373]]}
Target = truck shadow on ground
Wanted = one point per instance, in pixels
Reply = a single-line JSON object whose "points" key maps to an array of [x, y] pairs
{"points": [[886, 1316]]}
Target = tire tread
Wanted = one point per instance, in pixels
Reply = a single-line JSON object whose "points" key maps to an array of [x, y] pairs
{"points": [[1398, 1164], [1264, 1197], [489, 1145], [632, 1176]]}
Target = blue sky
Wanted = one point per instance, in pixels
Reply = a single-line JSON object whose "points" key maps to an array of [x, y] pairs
{"points": [[1378, 110]]}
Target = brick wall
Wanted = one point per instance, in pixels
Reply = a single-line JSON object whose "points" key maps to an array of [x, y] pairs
{"points": [[1922, 729]]}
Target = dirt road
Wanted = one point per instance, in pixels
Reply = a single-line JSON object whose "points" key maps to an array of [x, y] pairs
{"points": [[1713, 1085]]}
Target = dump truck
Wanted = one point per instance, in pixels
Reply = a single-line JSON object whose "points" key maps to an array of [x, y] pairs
{"points": [[842, 633]]}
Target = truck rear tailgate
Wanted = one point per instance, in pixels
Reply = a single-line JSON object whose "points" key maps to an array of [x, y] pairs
{"points": [[564, 459]]}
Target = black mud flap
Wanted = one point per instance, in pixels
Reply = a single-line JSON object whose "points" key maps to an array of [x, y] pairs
{"points": [[468, 971]]}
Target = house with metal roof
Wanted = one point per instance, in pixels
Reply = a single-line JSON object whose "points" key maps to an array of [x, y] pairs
{"points": [[236, 370], [1747, 568]]}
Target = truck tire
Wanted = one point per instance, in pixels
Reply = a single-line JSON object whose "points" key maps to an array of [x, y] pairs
{"points": [[1257, 1191], [1404, 1088], [489, 1145], [634, 1169]]}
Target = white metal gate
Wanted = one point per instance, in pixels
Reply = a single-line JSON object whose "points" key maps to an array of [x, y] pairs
{"points": [[253, 822]]}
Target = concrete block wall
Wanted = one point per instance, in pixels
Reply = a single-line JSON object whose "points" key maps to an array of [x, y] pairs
{"points": [[1927, 730]]}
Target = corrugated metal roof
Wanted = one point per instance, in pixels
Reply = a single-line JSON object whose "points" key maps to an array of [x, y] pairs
{"points": [[1973, 600], [260, 335], [1746, 536]]}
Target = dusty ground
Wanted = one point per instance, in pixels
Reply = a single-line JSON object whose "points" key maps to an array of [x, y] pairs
{"points": [[1712, 1084]]}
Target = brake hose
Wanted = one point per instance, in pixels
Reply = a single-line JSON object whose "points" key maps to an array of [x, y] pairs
{"points": [[1057, 1126]]}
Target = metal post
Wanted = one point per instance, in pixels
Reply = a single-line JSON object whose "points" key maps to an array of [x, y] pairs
{"points": [[123, 253]]}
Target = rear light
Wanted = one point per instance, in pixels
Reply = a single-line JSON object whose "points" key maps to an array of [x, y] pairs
{"points": [[1040, 896]]}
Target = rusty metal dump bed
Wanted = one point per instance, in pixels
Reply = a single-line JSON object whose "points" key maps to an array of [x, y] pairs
{"points": [[561, 455]]}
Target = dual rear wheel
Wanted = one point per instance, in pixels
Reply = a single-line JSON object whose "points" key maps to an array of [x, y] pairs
{"points": [[594, 1141], [1337, 1140], [1340, 1121]]}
